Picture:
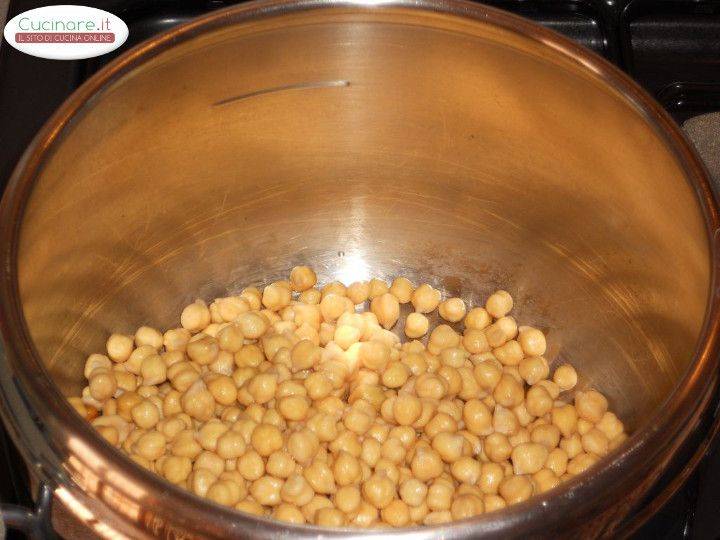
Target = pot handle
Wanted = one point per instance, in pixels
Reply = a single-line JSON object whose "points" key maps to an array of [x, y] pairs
{"points": [[35, 523]]}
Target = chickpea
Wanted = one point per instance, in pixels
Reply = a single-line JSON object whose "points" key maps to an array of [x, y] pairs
{"points": [[185, 445], [439, 496], [176, 339], [402, 289], [477, 319], [557, 461], [497, 447], [508, 392], [153, 370], [406, 409], [310, 297], [378, 490], [515, 489], [358, 292], [250, 506], [102, 384], [565, 418], [302, 278], [262, 387], [477, 417], [548, 435], [266, 490], [387, 309], [452, 309], [303, 445], [565, 377], [466, 506], [198, 402], [203, 349], [280, 464], [346, 469], [491, 474], [329, 517], [288, 513], [528, 458], [501, 331], [251, 465], [545, 480], [487, 374], [499, 304], [581, 463], [533, 369], [150, 445], [119, 347], [416, 325], [397, 513], [332, 306], [475, 341], [572, 445], [195, 316], [538, 402], [348, 499], [266, 439], [441, 337], [426, 464], [590, 405], [145, 414], [230, 445], [595, 442], [413, 491], [146, 335], [276, 296], [253, 325], [466, 470], [296, 490], [610, 426], [449, 446]]}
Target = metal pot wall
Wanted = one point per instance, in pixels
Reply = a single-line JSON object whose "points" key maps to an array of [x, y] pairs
{"points": [[440, 140]]}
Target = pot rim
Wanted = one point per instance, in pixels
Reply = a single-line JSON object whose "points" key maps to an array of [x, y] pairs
{"points": [[639, 459]]}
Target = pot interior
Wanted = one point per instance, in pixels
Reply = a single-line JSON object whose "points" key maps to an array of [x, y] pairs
{"points": [[371, 143]]}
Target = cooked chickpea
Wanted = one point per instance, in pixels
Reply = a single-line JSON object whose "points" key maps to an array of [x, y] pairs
{"points": [[302, 278], [406, 409], [266, 490], [508, 392], [591, 405], [378, 490], [119, 347], [387, 309], [515, 489], [102, 384], [276, 296], [195, 316], [425, 299], [309, 412], [497, 447], [499, 304], [416, 325], [528, 458], [402, 289], [466, 470], [466, 506], [288, 513], [452, 309], [565, 377]]}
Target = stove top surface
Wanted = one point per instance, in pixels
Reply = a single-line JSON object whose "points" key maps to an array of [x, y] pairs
{"points": [[671, 47]]}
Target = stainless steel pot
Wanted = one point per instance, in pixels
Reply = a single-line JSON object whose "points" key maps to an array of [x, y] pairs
{"points": [[441, 140]]}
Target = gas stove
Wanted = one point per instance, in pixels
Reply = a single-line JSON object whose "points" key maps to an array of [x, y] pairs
{"points": [[670, 47]]}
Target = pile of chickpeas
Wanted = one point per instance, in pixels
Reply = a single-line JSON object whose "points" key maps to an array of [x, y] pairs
{"points": [[293, 403]]}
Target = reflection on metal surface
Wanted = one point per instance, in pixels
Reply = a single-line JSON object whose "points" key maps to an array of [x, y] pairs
{"points": [[297, 86]]}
